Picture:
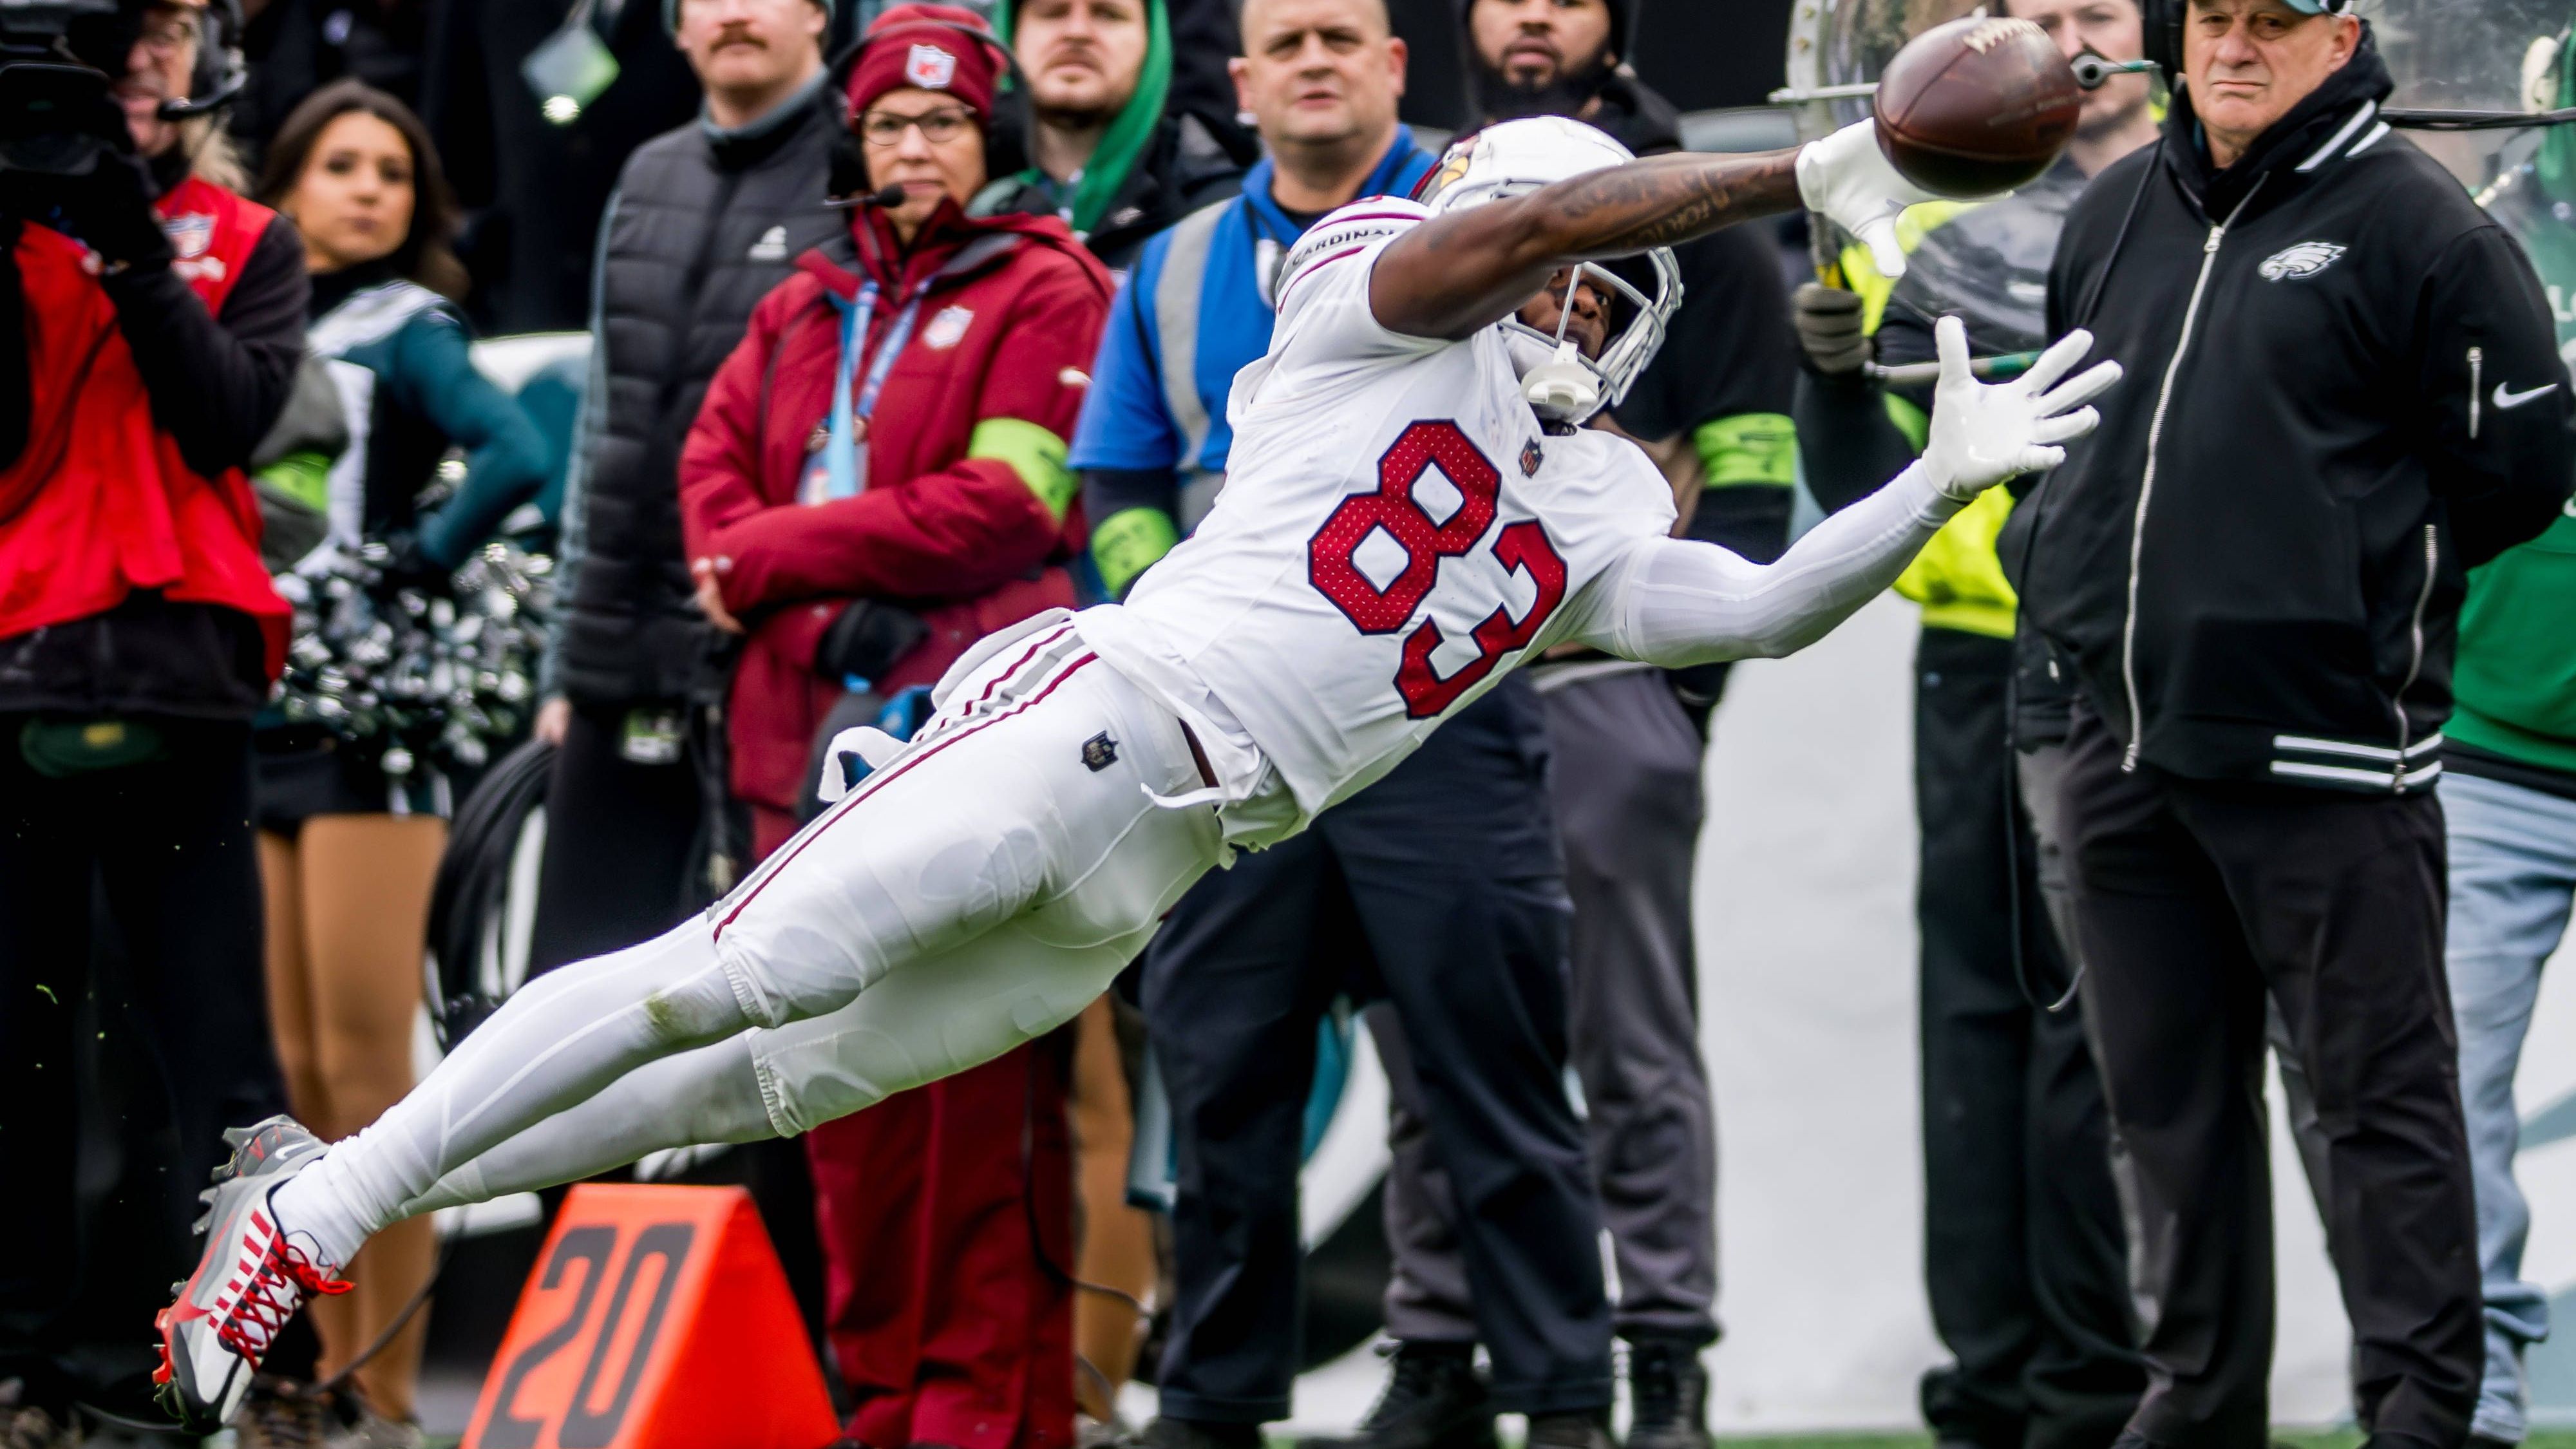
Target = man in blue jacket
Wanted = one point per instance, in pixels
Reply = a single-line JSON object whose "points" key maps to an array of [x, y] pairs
{"points": [[1440, 889]]}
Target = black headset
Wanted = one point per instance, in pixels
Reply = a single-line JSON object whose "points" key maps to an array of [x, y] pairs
{"points": [[221, 71], [1005, 134]]}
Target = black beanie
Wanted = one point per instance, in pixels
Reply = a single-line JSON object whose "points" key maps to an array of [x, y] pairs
{"points": [[1622, 24]]}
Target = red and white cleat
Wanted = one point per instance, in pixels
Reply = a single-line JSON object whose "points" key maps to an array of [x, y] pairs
{"points": [[248, 1283]]}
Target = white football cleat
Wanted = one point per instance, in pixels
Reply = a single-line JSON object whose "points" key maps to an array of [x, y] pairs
{"points": [[248, 1283]]}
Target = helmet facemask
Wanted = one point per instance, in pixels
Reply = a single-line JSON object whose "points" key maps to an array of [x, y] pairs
{"points": [[1516, 157]]}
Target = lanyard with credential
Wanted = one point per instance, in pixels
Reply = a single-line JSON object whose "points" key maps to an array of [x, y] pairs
{"points": [[844, 461]]}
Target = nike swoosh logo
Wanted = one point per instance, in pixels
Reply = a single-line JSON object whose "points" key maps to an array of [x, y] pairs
{"points": [[2506, 397]]}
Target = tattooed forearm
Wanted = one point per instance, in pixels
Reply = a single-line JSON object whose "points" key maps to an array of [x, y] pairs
{"points": [[1465, 270], [1662, 201]]}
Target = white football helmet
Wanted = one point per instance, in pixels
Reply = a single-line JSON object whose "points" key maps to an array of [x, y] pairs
{"points": [[1514, 157]]}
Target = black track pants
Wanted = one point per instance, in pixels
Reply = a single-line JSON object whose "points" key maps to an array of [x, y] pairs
{"points": [[2191, 899]]}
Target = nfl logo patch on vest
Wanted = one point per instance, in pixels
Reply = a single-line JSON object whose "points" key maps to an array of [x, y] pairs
{"points": [[929, 67], [947, 328]]}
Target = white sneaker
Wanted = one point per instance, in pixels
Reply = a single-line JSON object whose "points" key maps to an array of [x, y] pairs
{"points": [[249, 1281]]}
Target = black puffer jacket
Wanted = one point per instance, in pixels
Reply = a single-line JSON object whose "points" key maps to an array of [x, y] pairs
{"points": [[703, 225], [2343, 391]]}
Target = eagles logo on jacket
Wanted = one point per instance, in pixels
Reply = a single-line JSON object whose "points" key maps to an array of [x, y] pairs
{"points": [[968, 516], [2343, 391]]}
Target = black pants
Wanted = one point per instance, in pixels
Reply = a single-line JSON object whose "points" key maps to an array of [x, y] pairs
{"points": [[133, 1024], [619, 838], [1625, 782], [2191, 900], [1440, 888], [2022, 1242]]}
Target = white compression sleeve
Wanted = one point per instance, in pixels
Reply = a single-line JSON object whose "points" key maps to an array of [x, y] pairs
{"points": [[1674, 602], [563, 1037], [708, 1095]]}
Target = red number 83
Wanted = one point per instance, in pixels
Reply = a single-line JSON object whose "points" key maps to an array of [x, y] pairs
{"points": [[1523, 546]]}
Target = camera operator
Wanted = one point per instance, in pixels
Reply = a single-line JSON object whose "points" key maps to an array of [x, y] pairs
{"points": [[151, 321]]}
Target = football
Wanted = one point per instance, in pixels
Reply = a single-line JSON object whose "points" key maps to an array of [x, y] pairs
{"points": [[1976, 106]]}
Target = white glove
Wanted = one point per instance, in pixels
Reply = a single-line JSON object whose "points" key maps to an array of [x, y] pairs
{"points": [[1848, 178], [1984, 433], [874, 748]]}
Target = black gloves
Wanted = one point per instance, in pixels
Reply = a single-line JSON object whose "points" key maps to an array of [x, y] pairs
{"points": [[110, 210], [107, 208], [867, 640], [1829, 329]]}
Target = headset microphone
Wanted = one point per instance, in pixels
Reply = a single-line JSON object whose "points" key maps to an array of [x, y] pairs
{"points": [[889, 198]]}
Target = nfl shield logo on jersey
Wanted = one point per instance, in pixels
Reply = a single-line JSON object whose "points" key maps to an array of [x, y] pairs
{"points": [[930, 67], [1531, 456]]}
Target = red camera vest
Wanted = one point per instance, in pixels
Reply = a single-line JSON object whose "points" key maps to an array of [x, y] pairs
{"points": [[100, 503]]}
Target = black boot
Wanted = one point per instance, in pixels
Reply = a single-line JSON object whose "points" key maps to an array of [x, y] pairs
{"points": [[1668, 1392], [1434, 1399], [1571, 1431]]}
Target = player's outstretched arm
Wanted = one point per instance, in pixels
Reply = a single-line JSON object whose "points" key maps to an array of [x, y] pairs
{"points": [[1676, 602], [1468, 269]]}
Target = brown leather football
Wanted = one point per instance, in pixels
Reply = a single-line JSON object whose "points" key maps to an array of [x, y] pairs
{"points": [[1976, 106]]}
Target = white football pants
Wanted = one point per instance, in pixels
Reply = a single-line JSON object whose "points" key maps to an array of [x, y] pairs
{"points": [[974, 894]]}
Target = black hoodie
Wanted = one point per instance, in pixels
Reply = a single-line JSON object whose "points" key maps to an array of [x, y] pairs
{"points": [[2343, 390]]}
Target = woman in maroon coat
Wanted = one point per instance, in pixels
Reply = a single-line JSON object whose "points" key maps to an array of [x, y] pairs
{"points": [[876, 480]]}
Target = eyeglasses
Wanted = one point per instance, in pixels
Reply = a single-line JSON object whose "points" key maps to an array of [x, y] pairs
{"points": [[884, 129], [171, 29]]}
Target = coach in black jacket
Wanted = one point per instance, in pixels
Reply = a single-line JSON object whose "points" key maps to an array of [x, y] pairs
{"points": [[2344, 392]]}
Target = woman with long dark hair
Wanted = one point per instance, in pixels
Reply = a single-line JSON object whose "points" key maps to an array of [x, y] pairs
{"points": [[347, 852]]}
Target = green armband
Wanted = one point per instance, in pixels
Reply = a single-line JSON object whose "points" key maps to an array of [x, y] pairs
{"points": [[304, 477], [1128, 542], [1032, 452], [1758, 448]]}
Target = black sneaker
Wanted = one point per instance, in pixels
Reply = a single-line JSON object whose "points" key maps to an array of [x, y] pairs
{"points": [[1571, 1431], [1668, 1393], [1434, 1399]]}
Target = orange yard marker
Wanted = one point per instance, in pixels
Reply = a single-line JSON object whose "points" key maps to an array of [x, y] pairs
{"points": [[657, 1318]]}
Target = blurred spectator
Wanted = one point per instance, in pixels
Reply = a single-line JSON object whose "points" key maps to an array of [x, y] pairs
{"points": [[346, 853], [296, 47], [2263, 660], [705, 221], [533, 164], [2509, 811], [2023, 1261], [150, 322], [1439, 888], [1713, 410], [875, 481], [1110, 155]]}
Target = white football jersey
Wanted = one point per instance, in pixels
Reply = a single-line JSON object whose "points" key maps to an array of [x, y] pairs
{"points": [[1396, 533]]}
